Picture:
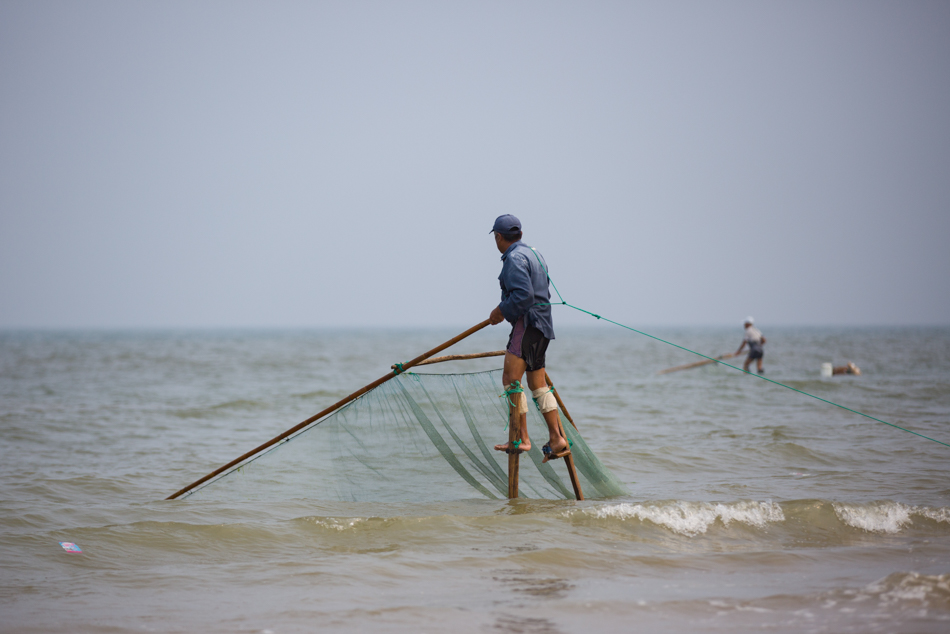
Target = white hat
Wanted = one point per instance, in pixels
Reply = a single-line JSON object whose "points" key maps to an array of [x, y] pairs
{"points": [[748, 320]]}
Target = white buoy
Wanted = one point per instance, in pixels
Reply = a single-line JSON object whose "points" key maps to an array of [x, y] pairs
{"points": [[826, 369]]}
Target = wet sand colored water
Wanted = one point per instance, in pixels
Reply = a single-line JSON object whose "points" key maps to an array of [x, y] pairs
{"points": [[750, 507]]}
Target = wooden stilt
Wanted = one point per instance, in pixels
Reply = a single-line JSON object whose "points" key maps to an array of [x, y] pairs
{"points": [[568, 460], [352, 397], [514, 457]]}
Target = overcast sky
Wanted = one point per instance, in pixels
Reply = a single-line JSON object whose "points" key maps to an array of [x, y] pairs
{"points": [[267, 164]]}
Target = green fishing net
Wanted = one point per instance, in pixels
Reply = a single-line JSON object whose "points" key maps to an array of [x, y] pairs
{"points": [[417, 437]]}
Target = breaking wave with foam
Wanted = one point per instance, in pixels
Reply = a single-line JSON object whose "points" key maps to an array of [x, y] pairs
{"points": [[694, 518], [887, 517], [925, 590]]}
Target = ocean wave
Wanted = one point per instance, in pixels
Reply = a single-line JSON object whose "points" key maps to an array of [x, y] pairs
{"points": [[887, 517], [694, 518], [912, 587], [895, 593], [937, 515], [337, 523], [901, 601]]}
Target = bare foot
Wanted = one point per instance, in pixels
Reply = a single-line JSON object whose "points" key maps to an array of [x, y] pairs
{"points": [[525, 445], [559, 449]]}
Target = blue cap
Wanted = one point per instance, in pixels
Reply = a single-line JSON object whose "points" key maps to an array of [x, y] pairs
{"points": [[506, 224]]}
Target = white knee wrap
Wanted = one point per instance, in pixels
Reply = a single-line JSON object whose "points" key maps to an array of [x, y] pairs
{"points": [[544, 399], [518, 399]]}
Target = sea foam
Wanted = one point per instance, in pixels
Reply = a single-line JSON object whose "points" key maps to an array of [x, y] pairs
{"points": [[886, 517], [694, 518], [927, 590], [338, 523]]}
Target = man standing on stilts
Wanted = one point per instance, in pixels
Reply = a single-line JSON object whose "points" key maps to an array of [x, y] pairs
{"points": [[525, 303]]}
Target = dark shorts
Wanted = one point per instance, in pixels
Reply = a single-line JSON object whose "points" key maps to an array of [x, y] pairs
{"points": [[755, 352], [528, 344]]}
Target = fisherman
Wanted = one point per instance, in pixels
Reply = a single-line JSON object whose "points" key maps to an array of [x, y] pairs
{"points": [[525, 305], [754, 338]]}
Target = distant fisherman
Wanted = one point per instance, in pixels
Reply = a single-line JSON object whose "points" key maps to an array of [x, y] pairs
{"points": [[524, 304], [754, 338]]}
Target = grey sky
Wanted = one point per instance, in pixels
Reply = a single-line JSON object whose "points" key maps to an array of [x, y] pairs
{"points": [[341, 163]]}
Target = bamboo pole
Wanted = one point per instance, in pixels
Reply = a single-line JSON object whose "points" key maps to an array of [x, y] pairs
{"points": [[352, 397], [696, 364], [459, 357]]}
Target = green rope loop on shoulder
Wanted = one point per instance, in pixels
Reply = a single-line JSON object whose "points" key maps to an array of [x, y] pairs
{"points": [[548, 275]]}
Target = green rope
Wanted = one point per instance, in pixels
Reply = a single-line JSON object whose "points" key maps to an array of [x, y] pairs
{"points": [[399, 369], [514, 388], [548, 275], [758, 376]]}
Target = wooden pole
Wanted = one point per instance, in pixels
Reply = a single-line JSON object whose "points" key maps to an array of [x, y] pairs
{"points": [[568, 460], [459, 357], [352, 397], [514, 457], [696, 364]]}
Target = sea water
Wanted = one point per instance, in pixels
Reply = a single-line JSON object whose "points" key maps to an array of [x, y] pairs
{"points": [[751, 507]]}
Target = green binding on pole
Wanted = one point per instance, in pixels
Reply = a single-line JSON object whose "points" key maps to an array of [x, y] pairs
{"points": [[514, 388]]}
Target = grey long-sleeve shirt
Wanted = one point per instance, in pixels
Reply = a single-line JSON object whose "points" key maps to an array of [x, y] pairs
{"points": [[524, 284]]}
